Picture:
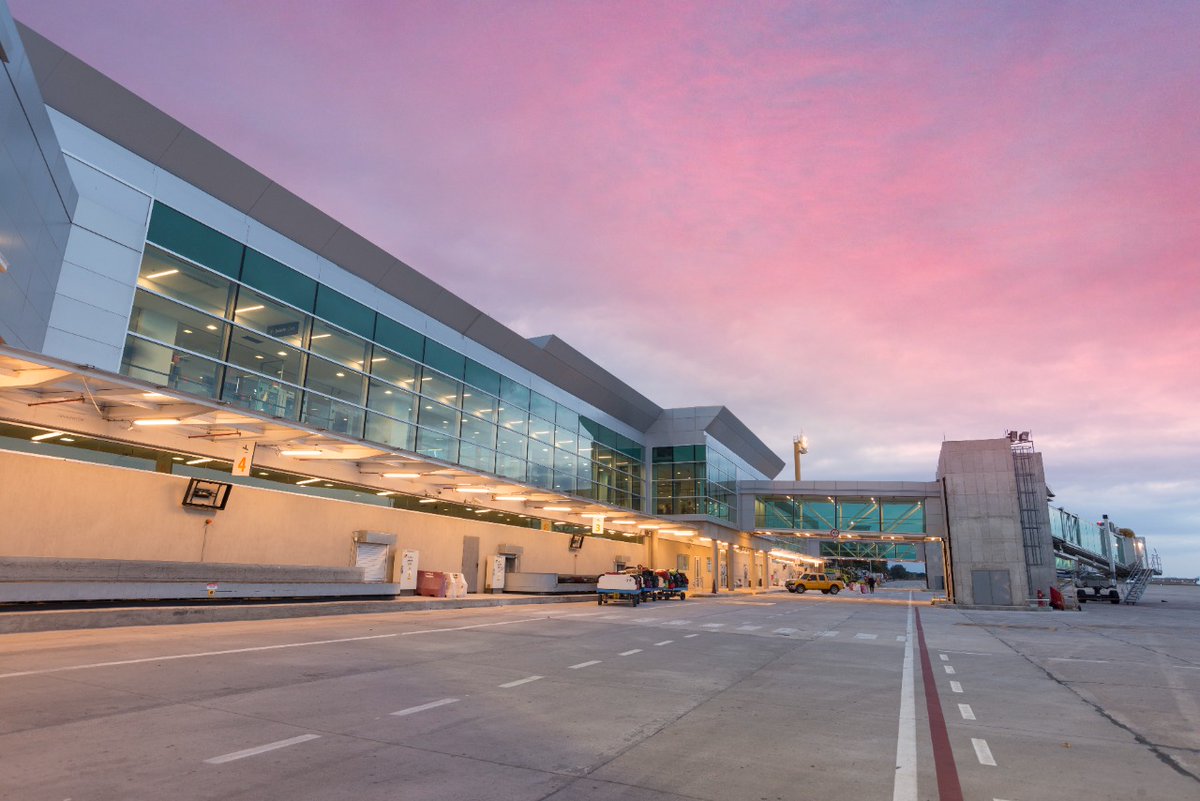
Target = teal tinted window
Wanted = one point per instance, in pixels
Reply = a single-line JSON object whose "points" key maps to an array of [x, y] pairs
{"points": [[278, 280], [542, 406], [566, 418], [818, 515], [448, 361], [514, 393], [194, 240], [162, 273], [485, 378], [858, 515], [399, 338], [341, 310], [906, 517]]}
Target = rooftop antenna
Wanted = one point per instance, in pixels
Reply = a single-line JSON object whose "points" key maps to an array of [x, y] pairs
{"points": [[799, 448]]}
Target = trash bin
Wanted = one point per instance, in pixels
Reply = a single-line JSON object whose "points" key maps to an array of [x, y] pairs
{"points": [[431, 583]]}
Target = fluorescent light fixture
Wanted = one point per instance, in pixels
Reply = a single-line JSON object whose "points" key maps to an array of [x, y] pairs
{"points": [[385, 493], [704, 539], [649, 525], [510, 498], [340, 375], [67, 439], [308, 481], [245, 309], [622, 522], [379, 359], [177, 458], [47, 435], [199, 461], [157, 421], [591, 515], [188, 331], [472, 489], [160, 274], [211, 327], [556, 508], [427, 500], [401, 475], [300, 453], [153, 395], [281, 353], [320, 336], [482, 511]]}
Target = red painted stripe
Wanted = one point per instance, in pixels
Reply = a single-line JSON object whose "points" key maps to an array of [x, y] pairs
{"points": [[949, 788]]}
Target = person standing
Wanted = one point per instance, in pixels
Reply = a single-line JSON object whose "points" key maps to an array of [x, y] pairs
{"points": [[871, 583]]}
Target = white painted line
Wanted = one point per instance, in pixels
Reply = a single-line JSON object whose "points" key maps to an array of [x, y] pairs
{"points": [[901, 638], [664, 642], [431, 705], [861, 636], [613, 617], [830, 633], [983, 753], [262, 749], [519, 682], [690, 636], [711, 625], [585, 664], [1070, 659], [949, 669], [748, 628], [971, 653], [905, 787], [955, 687], [966, 712], [784, 631], [630, 652], [943, 657], [645, 620], [257, 648]]}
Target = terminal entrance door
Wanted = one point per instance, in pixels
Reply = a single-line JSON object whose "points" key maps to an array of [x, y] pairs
{"points": [[470, 563]]}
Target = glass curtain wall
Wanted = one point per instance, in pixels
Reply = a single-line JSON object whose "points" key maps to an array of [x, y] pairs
{"points": [[249, 330], [694, 480], [867, 515]]}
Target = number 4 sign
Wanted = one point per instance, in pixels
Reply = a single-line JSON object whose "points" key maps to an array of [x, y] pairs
{"points": [[244, 460]]}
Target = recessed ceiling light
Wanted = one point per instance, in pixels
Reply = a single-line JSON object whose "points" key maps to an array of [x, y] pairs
{"points": [[211, 327], [427, 500], [401, 475], [160, 274], [245, 309], [308, 481], [188, 331], [300, 453], [556, 508], [67, 439], [199, 461], [157, 421], [340, 375], [47, 435], [281, 353]]}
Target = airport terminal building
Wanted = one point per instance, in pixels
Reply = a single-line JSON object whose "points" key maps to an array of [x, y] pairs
{"points": [[207, 382]]}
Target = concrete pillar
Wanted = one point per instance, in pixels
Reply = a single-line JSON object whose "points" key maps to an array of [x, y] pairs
{"points": [[651, 547], [754, 574], [716, 563]]}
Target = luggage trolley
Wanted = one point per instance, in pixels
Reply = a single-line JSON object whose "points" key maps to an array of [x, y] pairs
{"points": [[619, 587]]}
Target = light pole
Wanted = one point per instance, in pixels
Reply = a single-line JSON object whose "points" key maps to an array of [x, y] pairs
{"points": [[799, 447]]}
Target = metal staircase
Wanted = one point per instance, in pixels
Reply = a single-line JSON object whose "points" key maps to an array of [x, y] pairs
{"points": [[1139, 579]]}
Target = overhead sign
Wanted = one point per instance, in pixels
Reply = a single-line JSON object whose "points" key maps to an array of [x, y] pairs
{"points": [[244, 461], [598, 524]]}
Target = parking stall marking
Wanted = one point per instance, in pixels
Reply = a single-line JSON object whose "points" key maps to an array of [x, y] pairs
{"points": [[949, 669], [630, 652], [966, 712], [519, 682], [901, 638], [784, 631], [955, 687], [262, 749], [412, 710], [861, 636], [983, 753], [589, 663], [943, 657], [830, 633]]}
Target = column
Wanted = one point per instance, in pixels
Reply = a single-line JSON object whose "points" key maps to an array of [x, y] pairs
{"points": [[716, 566]]}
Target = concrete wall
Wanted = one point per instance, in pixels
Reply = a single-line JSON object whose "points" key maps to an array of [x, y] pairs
{"points": [[984, 515], [37, 199], [60, 508]]}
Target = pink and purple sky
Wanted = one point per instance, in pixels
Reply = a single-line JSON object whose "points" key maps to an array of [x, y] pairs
{"points": [[883, 224]]}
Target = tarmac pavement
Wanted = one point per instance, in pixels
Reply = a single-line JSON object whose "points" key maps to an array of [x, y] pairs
{"points": [[772, 696]]}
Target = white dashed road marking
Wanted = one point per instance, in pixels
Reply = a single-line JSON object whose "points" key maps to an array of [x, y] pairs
{"points": [[664, 642], [689, 636], [830, 633], [955, 687], [943, 657], [983, 753], [431, 705], [784, 631], [949, 669], [519, 682], [711, 625], [262, 749], [748, 628], [861, 636], [584, 664], [900, 638], [966, 711], [630, 652]]}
